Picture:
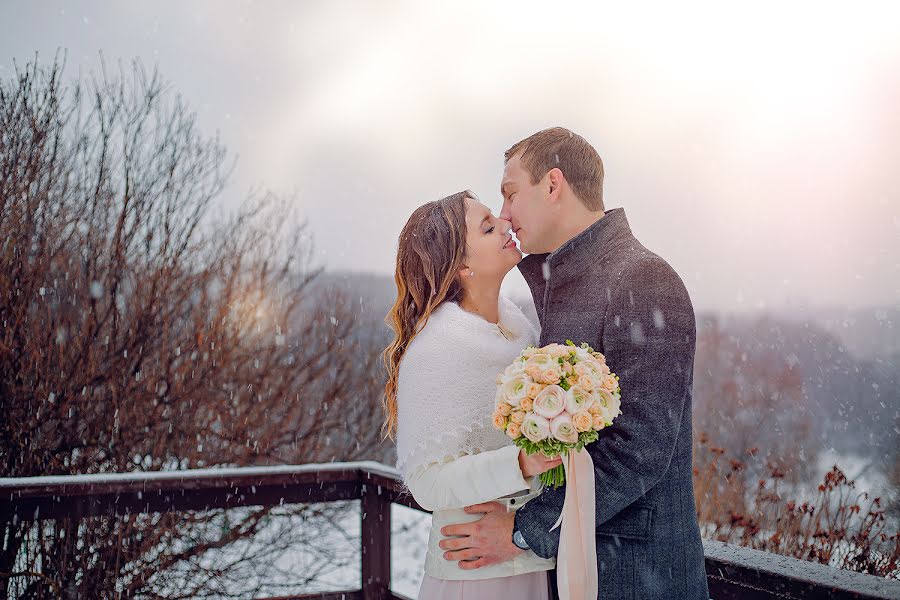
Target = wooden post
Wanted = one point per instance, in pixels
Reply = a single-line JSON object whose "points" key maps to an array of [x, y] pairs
{"points": [[376, 541]]}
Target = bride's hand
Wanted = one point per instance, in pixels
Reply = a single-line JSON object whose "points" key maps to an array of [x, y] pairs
{"points": [[534, 464]]}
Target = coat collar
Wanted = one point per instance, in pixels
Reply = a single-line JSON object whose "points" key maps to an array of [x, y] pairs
{"points": [[576, 255]]}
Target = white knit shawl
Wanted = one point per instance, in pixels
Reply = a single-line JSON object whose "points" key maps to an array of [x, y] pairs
{"points": [[447, 383]]}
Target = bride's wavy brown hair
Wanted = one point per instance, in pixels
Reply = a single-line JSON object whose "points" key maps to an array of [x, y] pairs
{"points": [[430, 253]]}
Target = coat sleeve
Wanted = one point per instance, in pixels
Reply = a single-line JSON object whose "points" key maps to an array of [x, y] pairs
{"points": [[648, 339], [468, 479]]}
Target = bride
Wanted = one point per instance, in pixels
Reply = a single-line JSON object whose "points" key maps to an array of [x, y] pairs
{"points": [[454, 333]]}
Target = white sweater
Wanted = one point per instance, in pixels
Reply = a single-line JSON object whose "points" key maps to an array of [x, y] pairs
{"points": [[454, 481]]}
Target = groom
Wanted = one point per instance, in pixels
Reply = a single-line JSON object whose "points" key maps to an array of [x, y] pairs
{"points": [[593, 282]]}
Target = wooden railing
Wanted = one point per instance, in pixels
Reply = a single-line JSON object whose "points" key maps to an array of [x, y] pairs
{"points": [[733, 572]]}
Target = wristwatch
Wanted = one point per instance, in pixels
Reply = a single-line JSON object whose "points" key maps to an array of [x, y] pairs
{"points": [[519, 540]]}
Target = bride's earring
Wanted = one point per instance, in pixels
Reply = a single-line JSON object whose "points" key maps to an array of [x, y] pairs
{"points": [[471, 273]]}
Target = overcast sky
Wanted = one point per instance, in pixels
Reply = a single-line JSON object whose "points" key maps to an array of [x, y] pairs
{"points": [[754, 148]]}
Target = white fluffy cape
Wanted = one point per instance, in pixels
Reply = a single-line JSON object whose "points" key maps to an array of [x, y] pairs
{"points": [[447, 383]]}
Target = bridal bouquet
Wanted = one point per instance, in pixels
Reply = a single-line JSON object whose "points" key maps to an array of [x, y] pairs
{"points": [[555, 399]]}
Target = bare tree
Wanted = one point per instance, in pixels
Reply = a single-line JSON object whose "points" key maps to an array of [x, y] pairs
{"points": [[141, 331]]}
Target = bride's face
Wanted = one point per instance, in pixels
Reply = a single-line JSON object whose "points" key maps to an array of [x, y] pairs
{"points": [[490, 249]]}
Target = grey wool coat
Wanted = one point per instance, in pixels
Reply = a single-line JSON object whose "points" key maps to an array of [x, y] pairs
{"points": [[605, 288]]}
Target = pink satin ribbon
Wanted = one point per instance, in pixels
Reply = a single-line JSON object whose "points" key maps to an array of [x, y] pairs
{"points": [[576, 559]]}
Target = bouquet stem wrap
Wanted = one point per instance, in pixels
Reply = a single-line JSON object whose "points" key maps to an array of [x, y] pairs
{"points": [[576, 561]]}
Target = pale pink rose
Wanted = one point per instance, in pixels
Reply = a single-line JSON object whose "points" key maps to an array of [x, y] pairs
{"points": [[517, 416], [567, 368], [513, 430], [604, 370], [499, 421], [583, 421], [577, 399], [562, 428], [527, 404], [504, 409], [550, 402], [535, 427]]}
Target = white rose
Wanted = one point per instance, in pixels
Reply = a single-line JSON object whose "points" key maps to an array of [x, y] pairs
{"points": [[609, 404], [581, 354], [515, 389], [563, 429], [516, 368], [542, 360], [535, 427], [550, 402]]}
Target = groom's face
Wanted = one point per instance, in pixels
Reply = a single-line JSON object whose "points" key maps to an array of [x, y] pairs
{"points": [[525, 206]]}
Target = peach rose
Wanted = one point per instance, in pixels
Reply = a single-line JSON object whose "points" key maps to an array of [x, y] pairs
{"points": [[556, 350], [499, 421], [587, 382], [533, 390], [517, 416], [513, 430], [504, 409], [527, 404], [610, 383], [598, 423], [583, 421], [551, 376]]}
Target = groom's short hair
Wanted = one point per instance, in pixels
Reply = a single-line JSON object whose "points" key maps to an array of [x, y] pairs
{"points": [[575, 157]]}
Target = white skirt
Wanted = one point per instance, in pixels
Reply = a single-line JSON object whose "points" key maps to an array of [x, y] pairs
{"points": [[525, 586]]}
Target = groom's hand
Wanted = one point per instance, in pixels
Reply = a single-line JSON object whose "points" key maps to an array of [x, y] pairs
{"points": [[487, 541]]}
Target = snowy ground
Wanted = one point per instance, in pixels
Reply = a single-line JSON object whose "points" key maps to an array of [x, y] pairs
{"points": [[281, 573]]}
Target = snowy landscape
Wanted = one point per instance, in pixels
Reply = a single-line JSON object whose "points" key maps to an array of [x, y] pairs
{"points": [[200, 206]]}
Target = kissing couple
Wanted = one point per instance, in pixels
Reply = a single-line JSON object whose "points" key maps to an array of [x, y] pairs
{"points": [[492, 534]]}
